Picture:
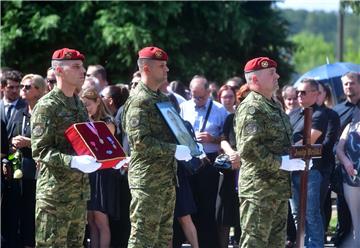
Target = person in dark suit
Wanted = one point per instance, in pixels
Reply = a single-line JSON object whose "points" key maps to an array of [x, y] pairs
{"points": [[11, 112], [11, 106]]}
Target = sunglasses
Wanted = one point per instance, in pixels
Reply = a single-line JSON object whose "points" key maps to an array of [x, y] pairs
{"points": [[303, 92], [27, 87], [51, 81]]}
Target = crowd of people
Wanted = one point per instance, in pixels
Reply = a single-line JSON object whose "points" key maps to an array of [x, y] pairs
{"points": [[52, 197]]}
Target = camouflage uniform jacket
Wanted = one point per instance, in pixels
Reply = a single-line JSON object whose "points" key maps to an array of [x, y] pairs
{"points": [[152, 144], [52, 115], [263, 133]]}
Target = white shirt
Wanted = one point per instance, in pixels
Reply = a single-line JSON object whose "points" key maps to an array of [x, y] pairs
{"points": [[196, 116], [7, 105]]}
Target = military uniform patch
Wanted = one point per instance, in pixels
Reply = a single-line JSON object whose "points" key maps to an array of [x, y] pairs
{"points": [[38, 130], [251, 128], [251, 110], [134, 122]]}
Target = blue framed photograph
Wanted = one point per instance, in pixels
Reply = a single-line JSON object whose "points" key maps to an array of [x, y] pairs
{"points": [[177, 127]]}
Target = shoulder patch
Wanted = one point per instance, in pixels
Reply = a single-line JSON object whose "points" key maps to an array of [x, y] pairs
{"points": [[38, 129], [251, 128], [134, 122]]}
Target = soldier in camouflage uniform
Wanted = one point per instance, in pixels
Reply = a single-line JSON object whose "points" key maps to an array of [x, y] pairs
{"points": [[263, 134], [61, 192], [152, 169]]}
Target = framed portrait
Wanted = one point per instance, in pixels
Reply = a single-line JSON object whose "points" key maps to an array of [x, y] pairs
{"points": [[178, 128]]}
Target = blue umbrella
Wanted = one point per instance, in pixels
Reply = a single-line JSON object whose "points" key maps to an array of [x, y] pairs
{"points": [[331, 74]]}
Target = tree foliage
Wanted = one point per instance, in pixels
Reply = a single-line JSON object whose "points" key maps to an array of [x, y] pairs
{"points": [[325, 23], [353, 4], [315, 36], [212, 38], [312, 50]]}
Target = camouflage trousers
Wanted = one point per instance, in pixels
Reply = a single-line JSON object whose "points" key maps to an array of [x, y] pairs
{"points": [[151, 216], [60, 225], [263, 224]]}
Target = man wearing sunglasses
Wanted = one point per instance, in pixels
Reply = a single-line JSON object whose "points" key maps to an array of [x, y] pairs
{"points": [[263, 135], [307, 93], [50, 79]]}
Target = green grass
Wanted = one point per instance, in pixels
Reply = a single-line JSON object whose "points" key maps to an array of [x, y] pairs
{"points": [[332, 224]]}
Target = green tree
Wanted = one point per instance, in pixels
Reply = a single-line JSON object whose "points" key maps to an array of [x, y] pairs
{"points": [[325, 23], [211, 38], [353, 4], [352, 51], [312, 50]]}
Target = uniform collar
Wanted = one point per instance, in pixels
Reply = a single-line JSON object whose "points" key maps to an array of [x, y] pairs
{"points": [[143, 87], [271, 102], [70, 102]]}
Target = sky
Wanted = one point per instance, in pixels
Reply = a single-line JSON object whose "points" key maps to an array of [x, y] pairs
{"points": [[310, 5]]}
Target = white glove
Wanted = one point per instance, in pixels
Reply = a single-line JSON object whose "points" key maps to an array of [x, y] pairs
{"points": [[122, 163], [85, 163], [201, 149], [182, 153]]}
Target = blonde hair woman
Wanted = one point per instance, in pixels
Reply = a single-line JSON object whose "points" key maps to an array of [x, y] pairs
{"points": [[105, 199], [32, 88]]}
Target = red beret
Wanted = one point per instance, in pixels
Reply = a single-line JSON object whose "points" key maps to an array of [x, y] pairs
{"points": [[259, 64], [153, 53], [67, 54]]}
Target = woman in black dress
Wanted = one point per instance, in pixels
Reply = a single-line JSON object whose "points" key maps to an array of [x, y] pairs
{"points": [[227, 204], [348, 153], [105, 198]]}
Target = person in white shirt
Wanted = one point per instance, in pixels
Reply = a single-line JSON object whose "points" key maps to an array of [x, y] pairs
{"points": [[207, 118]]}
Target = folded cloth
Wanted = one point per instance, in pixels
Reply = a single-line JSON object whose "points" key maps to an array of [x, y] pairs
{"points": [[295, 164]]}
